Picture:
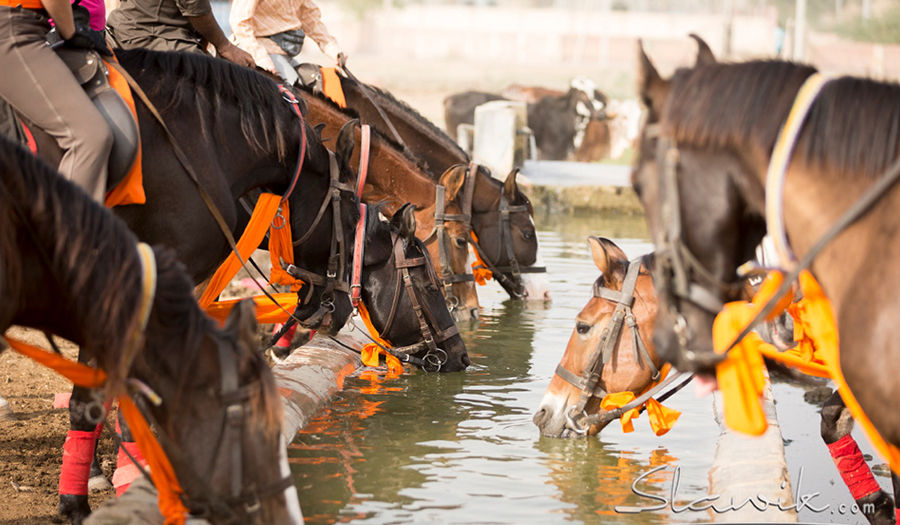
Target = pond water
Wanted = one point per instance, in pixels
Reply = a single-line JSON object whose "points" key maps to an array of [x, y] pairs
{"points": [[461, 448]]}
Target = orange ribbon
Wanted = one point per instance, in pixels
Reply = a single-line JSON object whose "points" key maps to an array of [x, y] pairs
{"points": [[662, 418], [740, 376], [371, 351], [331, 86], [161, 471], [479, 268]]}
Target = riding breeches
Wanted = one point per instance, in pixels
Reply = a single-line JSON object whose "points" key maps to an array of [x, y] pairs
{"points": [[39, 86]]}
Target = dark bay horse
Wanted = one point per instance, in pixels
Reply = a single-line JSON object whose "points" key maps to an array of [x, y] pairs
{"points": [[437, 153], [394, 179], [69, 267], [626, 368], [715, 126]]}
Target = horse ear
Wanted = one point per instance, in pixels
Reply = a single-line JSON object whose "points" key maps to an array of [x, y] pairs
{"points": [[405, 221], [705, 55], [510, 188], [609, 258], [346, 142], [453, 179], [318, 129], [241, 323], [652, 89]]}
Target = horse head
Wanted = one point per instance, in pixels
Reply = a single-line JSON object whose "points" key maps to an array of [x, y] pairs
{"points": [[702, 213], [404, 295], [324, 213], [619, 365]]}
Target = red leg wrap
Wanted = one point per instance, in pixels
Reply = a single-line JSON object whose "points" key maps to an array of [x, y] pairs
{"points": [[288, 337], [78, 451], [126, 471], [853, 468]]}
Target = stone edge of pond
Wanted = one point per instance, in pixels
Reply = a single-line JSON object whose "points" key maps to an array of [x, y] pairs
{"points": [[310, 376], [747, 467]]}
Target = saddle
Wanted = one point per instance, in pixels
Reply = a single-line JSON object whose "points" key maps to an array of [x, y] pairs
{"points": [[311, 77], [93, 74]]}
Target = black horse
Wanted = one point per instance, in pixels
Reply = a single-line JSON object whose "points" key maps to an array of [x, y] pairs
{"points": [[69, 267]]}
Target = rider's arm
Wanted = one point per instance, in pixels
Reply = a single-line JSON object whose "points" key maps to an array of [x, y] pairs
{"points": [[311, 19], [241, 20], [61, 13], [209, 29]]}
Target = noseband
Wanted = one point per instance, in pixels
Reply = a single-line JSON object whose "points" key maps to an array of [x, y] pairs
{"points": [[510, 277], [589, 380]]}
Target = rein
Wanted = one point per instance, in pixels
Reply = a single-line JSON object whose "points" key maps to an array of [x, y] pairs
{"points": [[589, 380]]}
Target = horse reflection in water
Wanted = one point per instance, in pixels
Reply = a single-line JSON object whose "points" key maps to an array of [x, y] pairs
{"points": [[626, 366]]}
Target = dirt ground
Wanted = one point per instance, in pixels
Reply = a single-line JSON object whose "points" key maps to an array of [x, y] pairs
{"points": [[31, 446]]}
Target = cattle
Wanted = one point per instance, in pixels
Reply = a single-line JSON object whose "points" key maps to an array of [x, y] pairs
{"points": [[566, 125]]}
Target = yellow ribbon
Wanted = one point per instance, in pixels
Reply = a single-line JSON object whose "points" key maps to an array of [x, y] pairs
{"points": [[479, 267], [371, 351]]}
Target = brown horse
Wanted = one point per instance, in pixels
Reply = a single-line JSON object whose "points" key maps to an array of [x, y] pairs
{"points": [[708, 138], [513, 251], [394, 179], [626, 367], [70, 268]]}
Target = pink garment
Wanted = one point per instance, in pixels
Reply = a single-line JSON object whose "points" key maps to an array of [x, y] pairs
{"points": [[98, 13]]}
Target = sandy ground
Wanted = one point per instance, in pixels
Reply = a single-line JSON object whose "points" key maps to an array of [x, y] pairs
{"points": [[31, 446]]}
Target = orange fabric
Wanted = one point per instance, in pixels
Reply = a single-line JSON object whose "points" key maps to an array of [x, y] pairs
{"points": [[371, 351], [817, 353], [130, 190], [170, 504], [281, 248], [27, 4], [331, 85], [266, 311], [262, 216], [163, 474], [662, 418], [479, 267]]}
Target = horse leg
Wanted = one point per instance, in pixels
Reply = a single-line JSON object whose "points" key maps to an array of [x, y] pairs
{"points": [[875, 504], [6, 412], [895, 481], [78, 454], [126, 470]]}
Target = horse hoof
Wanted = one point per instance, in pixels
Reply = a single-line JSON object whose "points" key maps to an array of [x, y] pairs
{"points": [[73, 508], [6, 413], [99, 484]]}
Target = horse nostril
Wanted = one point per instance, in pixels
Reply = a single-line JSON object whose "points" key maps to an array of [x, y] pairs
{"points": [[465, 360], [474, 312], [540, 417]]}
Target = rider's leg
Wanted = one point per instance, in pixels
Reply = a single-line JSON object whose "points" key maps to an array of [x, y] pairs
{"points": [[41, 88]]}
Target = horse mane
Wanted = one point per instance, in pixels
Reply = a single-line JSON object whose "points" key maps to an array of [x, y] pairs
{"points": [[353, 114], [93, 259], [176, 80], [425, 123], [853, 126]]}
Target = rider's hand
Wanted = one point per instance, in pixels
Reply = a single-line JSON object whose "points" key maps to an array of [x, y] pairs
{"points": [[233, 53], [86, 38], [342, 59]]}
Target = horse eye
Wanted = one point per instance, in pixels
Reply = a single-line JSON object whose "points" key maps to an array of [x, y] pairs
{"points": [[460, 242], [431, 288], [528, 235], [582, 328]]}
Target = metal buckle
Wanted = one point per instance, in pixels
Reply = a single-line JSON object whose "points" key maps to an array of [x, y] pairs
{"points": [[573, 425], [235, 414]]}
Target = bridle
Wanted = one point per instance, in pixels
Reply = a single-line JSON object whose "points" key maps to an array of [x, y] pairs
{"points": [[676, 265], [335, 275], [604, 352], [435, 357], [510, 277]]}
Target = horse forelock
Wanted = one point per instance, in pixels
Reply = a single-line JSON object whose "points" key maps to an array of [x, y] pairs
{"points": [[177, 81], [853, 127]]}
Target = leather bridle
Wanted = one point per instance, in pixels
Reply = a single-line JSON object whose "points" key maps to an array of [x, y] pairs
{"points": [[510, 277], [589, 380], [680, 276]]}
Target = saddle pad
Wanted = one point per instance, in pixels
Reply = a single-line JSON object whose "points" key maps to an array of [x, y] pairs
{"points": [[332, 86], [130, 190]]}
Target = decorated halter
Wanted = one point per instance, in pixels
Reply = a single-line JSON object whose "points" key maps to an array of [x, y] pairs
{"points": [[509, 277]]}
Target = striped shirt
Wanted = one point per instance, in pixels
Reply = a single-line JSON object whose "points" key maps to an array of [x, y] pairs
{"points": [[254, 20]]}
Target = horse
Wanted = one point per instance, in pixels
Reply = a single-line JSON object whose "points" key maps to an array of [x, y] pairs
{"points": [[508, 246], [623, 367], [395, 261], [715, 125], [70, 268], [394, 179]]}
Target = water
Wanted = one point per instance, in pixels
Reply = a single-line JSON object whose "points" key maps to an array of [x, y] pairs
{"points": [[461, 448]]}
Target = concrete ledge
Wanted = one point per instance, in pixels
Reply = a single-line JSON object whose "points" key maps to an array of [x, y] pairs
{"points": [[751, 467], [572, 200], [310, 376]]}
